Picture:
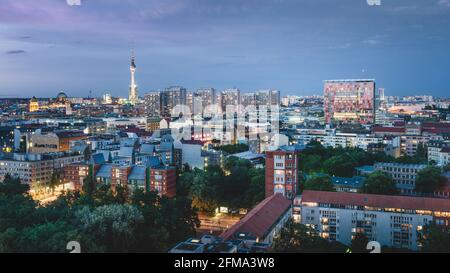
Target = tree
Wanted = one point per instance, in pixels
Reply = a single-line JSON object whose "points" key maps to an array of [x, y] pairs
{"points": [[435, 239], [411, 160], [53, 237], [89, 184], [379, 183], [256, 189], [233, 148], [12, 186], [341, 165], [447, 168], [311, 163], [112, 225], [422, 152], [16, 205], [55, 180], [319, 183], [298, 238], [359, 243], [430, 179]]}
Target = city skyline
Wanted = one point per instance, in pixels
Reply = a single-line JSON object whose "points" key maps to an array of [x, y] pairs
{"points": [[291, 46]]}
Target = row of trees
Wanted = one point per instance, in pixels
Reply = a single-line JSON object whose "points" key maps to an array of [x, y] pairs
{"points": [[342, 162], [428, 181], [101, 220], [237, 185]]}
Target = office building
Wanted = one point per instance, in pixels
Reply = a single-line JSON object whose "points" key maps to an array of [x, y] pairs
{"points": [[152, 104], [349, 101], [171, 97]]}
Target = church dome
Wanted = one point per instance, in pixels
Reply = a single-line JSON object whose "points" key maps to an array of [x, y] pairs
{"points": [[61, 96]]}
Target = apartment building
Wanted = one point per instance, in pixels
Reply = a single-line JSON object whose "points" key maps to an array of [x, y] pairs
{"points": [[36, 169], [281, 171], [404, 175], [393, 221]]}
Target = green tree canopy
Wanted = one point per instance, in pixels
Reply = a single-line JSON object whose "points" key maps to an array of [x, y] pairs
{"points": [[319, 183], [434, 239], [379, 183], [430, 179], [298, 238], [341, 165], [359, 243]]}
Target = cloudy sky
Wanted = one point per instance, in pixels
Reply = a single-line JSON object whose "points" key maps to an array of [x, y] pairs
{"points": [[293, 45]]}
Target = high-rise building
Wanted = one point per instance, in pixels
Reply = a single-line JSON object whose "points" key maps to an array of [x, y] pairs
{"points": [[230, 97], [171, 97], [349, 101], [267, 97], [107, 98], [281, 171], [248, 99], [208, 96], [152, 101], [133, 95]]}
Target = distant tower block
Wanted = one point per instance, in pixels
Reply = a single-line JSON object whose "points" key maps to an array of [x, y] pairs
{"points": [[133, 95]]}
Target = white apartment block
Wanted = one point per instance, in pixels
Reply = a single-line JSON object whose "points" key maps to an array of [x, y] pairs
{"points": [[393, 221], [35, 168], [343, 140]]}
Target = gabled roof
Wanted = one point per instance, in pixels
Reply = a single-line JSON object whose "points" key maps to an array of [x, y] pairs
{"points": [[98, 158], [126, 151], [151, 161], [260, 219], [147, 148], [105, 171], [137, 173]]}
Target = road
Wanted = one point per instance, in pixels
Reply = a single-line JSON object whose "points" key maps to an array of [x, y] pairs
{"points": [[216, 224]]}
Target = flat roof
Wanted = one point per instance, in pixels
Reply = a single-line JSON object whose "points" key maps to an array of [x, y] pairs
{"points": [[376, 201]]}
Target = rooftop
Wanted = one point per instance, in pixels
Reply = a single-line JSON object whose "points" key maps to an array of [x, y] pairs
{"points": [[260, 219], [376, 201]]}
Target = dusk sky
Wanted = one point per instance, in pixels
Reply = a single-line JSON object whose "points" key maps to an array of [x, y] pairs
{"points": [[292, 45]]}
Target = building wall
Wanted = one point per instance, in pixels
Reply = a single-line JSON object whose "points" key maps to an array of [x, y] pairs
{"points": [[281, 173], [163, 181], [404, 175], [388, 228], [43, 143], [349, 101]]}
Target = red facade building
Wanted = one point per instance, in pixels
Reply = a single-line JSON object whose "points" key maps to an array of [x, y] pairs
{"points": [[282, 171], [349, 101], [163, 180]]}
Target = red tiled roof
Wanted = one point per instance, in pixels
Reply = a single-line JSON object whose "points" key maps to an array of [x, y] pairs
{"points": [[193, 141], [388, 129], [436, 127], [261, 218], [377, 201]]}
